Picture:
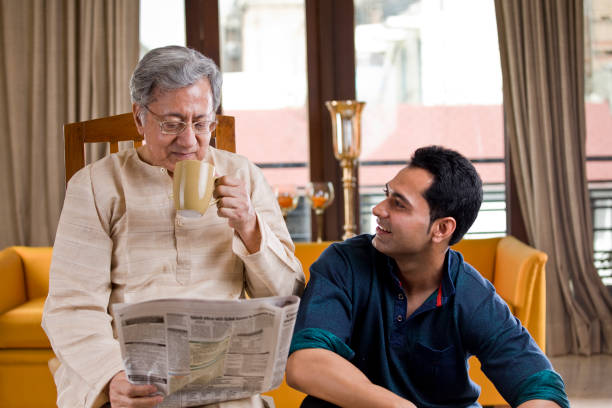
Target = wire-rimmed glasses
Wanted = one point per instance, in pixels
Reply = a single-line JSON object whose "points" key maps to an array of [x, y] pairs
{"points": [[175, 127]]}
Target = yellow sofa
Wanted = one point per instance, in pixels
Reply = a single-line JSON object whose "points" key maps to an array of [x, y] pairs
{"points": [[518, 273], [25, 380], [516, 270]]}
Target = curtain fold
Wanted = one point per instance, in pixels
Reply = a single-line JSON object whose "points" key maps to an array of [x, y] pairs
{"points": [[542, 57], [61, 62]]}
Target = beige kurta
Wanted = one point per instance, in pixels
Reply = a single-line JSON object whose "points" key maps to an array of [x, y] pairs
{"points": [[119, 239]]}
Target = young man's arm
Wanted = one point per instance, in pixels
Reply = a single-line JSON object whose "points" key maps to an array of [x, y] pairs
{"points": [[328, 376], [510, 357]]}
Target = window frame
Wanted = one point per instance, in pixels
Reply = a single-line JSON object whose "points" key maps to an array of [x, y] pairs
{"points": [[330, 56]]}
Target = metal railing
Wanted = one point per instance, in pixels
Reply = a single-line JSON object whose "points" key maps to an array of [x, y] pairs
{"points": [[600, 193], [491, 220]]}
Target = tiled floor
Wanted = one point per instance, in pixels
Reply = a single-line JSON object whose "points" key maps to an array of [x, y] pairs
{"points": [[588, 380]]}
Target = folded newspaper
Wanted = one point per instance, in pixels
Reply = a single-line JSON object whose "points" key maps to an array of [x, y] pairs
{"points": [[204, 351]]}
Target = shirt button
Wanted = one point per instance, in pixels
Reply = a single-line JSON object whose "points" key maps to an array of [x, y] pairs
{"points": [[162, 170], [400, 318], [400, 296]]}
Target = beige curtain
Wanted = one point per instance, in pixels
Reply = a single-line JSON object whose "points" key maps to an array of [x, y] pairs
{"points": [[542, 56], [61, 61]]}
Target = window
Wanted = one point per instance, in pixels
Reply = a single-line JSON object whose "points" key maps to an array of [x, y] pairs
{"points": [[598, 89], [263, 59], [429, 73], [162, 22]]}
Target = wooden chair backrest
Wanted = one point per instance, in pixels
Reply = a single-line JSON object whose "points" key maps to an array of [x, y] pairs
{"points": [[121, 128]]}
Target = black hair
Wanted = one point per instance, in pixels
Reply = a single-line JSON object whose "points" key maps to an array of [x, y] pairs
{"points": [[456, 190]]}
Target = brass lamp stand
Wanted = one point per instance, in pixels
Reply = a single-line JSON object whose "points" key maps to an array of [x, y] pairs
{"points": [[346, 132]]}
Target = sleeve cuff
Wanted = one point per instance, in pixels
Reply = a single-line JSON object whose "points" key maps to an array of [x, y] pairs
{"points": [[543, 385], [98, 395], [319, 338], [240, 249], [272, 270]]}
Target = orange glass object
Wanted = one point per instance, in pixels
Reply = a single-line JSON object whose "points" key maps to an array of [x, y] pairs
{"points": [[319, 202], [321, 195], [285, 201]]}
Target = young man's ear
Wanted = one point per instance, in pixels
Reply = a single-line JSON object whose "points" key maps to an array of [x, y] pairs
{"points": [[443, 229]]}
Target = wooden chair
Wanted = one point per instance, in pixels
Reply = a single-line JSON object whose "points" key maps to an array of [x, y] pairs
{"points": [[121, 128]]}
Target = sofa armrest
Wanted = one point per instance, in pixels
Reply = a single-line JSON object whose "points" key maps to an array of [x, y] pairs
{"points": [[12, 278], [520, 278], [308, 252], [36, 265]]}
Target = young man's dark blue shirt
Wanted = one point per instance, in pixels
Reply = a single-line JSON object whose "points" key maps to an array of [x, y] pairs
{"points": [[354, 305]]}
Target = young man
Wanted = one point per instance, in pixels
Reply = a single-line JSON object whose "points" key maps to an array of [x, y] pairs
{"points": [[390, 320]]}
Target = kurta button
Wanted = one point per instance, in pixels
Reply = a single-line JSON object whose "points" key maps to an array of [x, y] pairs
{"points": [[400, 318], [400, 296]]}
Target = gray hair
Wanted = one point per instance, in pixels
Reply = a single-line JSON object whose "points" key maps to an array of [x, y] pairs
{"points": [[173, 67]]}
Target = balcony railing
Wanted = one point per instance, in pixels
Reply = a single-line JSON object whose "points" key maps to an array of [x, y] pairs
{"points": [[600, 193], [491, 221]]}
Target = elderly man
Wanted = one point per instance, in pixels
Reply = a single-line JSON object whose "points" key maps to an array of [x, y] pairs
{"points": [[390, 320], [120, 239]]}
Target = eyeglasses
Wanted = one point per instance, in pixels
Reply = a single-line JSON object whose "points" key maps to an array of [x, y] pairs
{"points": [[174, 127]]}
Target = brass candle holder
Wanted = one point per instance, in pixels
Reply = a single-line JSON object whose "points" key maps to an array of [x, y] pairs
{"points": [[346, 133]]}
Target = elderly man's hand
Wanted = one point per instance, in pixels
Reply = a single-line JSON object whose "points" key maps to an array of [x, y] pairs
{"points": [[123, 393], [235, 205]]}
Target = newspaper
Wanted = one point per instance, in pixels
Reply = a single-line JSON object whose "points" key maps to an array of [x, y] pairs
{"points": [[204, 351]]}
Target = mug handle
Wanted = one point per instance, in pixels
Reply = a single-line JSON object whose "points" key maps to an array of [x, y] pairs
{"points": [[213, 200]]}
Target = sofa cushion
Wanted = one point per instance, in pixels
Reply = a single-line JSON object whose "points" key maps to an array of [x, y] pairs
{"points": [[20, 327]]}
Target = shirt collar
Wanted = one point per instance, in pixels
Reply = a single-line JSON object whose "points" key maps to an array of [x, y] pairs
{"points": [[449, 275], [452, 263]]}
